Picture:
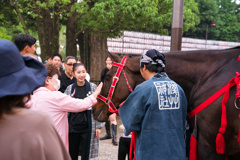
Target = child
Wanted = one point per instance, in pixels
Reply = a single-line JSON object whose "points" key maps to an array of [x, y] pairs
{"points": [[83, 130]]}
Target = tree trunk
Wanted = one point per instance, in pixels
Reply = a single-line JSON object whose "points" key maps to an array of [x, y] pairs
{"points": [[71, 49], [98, 54], [48, 32], [83, 42], [55, 29]]}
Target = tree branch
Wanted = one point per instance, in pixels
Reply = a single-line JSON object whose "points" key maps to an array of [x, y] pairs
{"points": [[20, 16]]}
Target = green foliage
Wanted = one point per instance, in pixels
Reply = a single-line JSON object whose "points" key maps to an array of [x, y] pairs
{"points": [[190, 15], [224, 14], [111, 17], [9, 22], [229, 25], [8, 17], [4, 34], [208, 14]]}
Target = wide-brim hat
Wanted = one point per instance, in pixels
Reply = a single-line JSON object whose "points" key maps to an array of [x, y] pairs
{"points": [[19, 75]]}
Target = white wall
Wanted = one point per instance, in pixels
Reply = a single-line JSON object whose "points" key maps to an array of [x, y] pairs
{"points": [[137, 43]]}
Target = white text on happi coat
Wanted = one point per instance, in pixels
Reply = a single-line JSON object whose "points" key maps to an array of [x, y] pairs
{"points": [[168, 95]]}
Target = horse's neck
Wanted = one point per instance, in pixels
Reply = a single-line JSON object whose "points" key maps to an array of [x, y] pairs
{"points": [[138, 79], [188, 68]]}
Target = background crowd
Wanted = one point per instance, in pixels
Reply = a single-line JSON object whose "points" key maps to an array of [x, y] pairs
{"points": [[46, 108]]}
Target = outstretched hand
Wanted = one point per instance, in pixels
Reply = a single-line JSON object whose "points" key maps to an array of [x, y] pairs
{"points": [[98, 90]]}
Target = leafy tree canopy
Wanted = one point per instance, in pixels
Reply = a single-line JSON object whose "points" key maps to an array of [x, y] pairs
{"points": [[111, 17], [224, 14], [229, 25]]}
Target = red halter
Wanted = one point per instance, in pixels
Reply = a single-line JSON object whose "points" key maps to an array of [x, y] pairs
{"points": [[108, 100]]}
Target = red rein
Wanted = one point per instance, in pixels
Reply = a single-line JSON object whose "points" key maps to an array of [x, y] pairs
{"points": [[220, 142], [108, 100]]}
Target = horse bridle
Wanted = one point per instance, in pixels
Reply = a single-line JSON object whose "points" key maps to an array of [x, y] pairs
{"points": [[108, 100]]}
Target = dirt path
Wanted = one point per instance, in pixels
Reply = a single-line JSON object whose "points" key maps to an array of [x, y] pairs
{"points": [[107, 151]]}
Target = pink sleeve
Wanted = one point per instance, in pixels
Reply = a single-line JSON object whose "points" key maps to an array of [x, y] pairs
{"points": [[69, 104]]}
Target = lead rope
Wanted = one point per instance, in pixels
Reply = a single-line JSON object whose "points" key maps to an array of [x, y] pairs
{"points": [[129, 87], [134, 134], [220, 142], [133, 146], [193, 155]]}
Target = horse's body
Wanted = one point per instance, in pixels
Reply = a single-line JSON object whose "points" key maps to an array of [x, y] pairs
{"points": [[200, 74]]}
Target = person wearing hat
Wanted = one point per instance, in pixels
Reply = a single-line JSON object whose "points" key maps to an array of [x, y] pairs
{"points": [[57, 104], [25, 134], [156, 110]]}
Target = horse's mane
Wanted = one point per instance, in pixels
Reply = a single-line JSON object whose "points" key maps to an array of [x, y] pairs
{"points": [[203, 55]]}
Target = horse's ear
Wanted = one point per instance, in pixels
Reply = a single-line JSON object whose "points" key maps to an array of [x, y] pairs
{"points": [[133, 64], [115, 57]]}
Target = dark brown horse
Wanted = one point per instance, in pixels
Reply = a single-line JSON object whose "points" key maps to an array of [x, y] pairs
{"points": [[200, 74]]}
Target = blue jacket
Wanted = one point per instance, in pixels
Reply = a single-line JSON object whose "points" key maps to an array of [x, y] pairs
{"points": [[157, 111]]}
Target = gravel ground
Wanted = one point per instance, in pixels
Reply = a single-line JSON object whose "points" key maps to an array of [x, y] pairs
{"points": [[107, 151]]}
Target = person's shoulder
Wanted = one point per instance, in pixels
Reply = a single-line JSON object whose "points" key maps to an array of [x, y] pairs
{"points": [[62, 75], [34, 118], [105, 70], [144, 84], [93, 87], [69, 87], [61, 71], [93, 84], [57, 94]]}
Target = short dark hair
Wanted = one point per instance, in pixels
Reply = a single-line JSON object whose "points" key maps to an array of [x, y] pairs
{"points": [[51, 69], [7, 103], [23, 40], [151, 67], [58, 55], [69, 57], [49, 57]]}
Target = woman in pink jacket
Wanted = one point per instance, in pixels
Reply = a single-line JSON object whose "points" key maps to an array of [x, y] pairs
{"points": [[56, 104]]}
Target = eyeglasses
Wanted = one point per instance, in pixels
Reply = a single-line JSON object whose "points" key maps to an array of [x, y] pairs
{"points": [[70, 64]]}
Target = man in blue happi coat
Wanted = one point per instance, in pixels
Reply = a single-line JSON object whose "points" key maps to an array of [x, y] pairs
{"points": [[157, 111]]}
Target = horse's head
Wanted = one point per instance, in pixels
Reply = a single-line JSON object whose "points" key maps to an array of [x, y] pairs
{"points": [[121, 90]]}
